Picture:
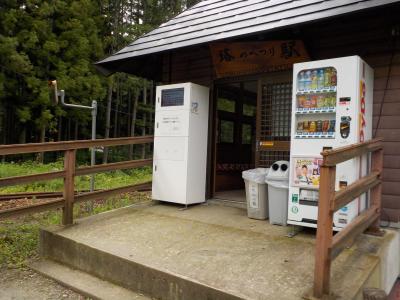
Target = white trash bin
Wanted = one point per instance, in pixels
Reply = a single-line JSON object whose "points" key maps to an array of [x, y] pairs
{"points": [[278, 190], [256, 193]]}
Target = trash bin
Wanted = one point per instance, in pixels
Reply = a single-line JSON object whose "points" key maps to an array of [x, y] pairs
{"points": [[278, 190], [256, 193]]}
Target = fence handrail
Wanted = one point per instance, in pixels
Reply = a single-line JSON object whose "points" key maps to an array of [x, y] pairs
{"points": [[67, 145], [341, 154], [69, 198], [328, 247]]}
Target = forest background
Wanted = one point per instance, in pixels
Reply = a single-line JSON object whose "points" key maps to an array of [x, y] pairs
{"points": [[61, 39]]}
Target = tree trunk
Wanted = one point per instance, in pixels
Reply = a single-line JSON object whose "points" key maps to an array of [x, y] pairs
{"points": [[144, 117], [151, 122], [69, 129], [59, 133], [108, 118], [128, 116], [133, 123], [76, 130], [22, 135], [116, 110], [40, 155]]}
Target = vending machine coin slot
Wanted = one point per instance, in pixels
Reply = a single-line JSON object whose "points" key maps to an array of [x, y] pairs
{"points": [[345, 126]]}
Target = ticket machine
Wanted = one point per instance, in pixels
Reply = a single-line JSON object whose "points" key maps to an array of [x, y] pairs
{"points": [[180, 143]]}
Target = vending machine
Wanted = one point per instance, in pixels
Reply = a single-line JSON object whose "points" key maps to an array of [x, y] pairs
{"points": [[332, 107], [180, 143]]}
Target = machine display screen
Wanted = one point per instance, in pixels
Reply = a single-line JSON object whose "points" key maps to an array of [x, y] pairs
{"points": [[172, 97]]}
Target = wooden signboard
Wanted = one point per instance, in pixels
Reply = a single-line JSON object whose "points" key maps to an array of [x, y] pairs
{"points": [[233, 59]]}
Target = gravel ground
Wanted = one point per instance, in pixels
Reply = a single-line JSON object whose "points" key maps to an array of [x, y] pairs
{"points": [[27, 284]]}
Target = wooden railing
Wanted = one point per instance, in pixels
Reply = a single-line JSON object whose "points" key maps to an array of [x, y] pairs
{"points": [[328, 247], [70, 171]]}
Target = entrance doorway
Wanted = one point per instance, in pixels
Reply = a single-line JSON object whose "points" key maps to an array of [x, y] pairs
{"points": [[252, 129], [236, 105]]}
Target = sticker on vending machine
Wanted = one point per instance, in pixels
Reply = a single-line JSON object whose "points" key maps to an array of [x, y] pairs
{"points": [[306, 171]]}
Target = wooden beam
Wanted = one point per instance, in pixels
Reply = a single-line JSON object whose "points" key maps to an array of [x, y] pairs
{"points": [[111, 192], [338, 155], [15, 180], [356, 227], [113, 166], [324, 232], [34, 208], [62, 146], [69, 192], [354, 190], [376, 191]]}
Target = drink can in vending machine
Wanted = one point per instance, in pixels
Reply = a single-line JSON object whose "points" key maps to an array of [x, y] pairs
{"points": [[307, 80], [325, 125], [319, 126], [321, 79], [333, 77], [320, 101], [327, 78], [332, 102], [313, 101], [299, 127], [314, 79], [300, 81], [306, 126], [332, 124], [312, 126]]}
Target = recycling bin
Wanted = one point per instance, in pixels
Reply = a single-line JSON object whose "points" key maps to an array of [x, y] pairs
{"points": [[278, 190], [256, 193]]}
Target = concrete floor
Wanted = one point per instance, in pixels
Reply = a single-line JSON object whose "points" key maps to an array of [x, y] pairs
{"points": [[221, 248], [231, 195]]}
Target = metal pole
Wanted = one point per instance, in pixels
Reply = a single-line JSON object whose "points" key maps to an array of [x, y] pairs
{"points": [[93, 150], [93, 109]]}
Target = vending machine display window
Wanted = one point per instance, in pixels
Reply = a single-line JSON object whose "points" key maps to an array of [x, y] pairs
{"points": [[316, 103]]}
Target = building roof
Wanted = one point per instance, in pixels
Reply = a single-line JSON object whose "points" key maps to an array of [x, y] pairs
{"points": [[213, 20]]}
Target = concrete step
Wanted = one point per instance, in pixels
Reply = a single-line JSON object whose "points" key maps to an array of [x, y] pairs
{"points": [[84, 283], [210, 252], [130, 274]]}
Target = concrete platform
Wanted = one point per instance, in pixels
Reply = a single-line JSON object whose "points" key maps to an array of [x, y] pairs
{"points": [[212, 252]]}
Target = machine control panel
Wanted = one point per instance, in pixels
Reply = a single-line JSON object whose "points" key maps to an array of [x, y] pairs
{"points": [[172, 97]]}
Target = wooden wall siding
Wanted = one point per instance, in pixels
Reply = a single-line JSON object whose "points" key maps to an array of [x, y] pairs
{"points": [[354, 35], [375, 44], [192, 64]]}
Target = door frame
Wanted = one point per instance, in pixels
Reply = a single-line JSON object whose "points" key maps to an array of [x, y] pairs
{"points": [[270, 77], [213, 137]]}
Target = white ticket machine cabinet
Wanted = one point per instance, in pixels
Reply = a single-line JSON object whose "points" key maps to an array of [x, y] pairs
{"points": [[180, 143]]}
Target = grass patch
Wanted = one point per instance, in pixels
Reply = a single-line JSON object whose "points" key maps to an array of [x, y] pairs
{"points": [[106, 180], [19, 237]]}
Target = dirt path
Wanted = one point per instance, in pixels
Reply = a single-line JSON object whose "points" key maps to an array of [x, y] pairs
{"points": [[26, 284]]}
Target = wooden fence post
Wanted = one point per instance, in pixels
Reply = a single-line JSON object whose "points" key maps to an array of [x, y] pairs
{"points": [[376, 192], [324, 231], [69, 167]]}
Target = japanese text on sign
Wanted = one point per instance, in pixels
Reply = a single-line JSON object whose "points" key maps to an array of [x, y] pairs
{"points": [[232, 59]]}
